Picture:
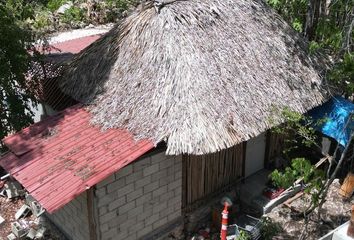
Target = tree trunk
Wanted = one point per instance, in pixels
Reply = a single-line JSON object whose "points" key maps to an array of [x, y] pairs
{"points": [[312, 18], [348, 31], [89, 5]]}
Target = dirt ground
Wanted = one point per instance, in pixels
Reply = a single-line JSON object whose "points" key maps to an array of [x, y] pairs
{"points": [[7, 211], [336, 211], [8, 208]]}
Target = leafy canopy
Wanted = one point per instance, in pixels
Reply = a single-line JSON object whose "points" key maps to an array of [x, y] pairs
{"points": [[16, 42], [328, 26]]}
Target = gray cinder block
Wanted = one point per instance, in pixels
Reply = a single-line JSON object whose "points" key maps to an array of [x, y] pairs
{"points": [[11, 236], [2, 220], [17, 229], [23, 212]]}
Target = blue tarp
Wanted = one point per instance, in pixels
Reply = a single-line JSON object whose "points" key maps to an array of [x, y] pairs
{"points": [[333, 117]]}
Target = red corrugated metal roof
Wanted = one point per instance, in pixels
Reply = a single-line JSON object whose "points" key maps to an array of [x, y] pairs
{"points": [[59, 158], [74, 45]]}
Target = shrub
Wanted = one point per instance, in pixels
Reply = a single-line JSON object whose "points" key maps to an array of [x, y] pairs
{"points": [[42, 21], [73, 16], [243, 236], [54, 5], [269, 228]]}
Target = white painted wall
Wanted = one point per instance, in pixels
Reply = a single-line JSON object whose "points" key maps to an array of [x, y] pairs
{"points": [[255, 152], [40, 111], [326, 145]]}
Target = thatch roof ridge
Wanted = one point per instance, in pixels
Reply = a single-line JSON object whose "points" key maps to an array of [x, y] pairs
{"points": [[201, 75]]}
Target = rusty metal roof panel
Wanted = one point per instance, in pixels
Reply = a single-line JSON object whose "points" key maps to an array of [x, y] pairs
{"points": [[62, 156], [74, 45]]}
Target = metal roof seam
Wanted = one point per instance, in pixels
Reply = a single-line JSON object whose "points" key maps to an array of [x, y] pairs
{"points": [[77, 157]]}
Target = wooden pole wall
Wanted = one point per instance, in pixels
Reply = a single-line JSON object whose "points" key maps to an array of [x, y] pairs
{"points": [[206, 174]]}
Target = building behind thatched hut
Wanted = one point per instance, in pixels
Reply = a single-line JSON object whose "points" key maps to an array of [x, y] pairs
{"points": [[175, 105]]}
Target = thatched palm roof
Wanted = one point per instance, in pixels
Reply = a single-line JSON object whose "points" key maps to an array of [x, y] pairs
{"points": [[201, 75]]}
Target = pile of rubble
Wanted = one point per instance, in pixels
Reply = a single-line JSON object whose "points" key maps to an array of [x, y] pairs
{"points": [[21, 216], [335, 212], [204, 223]]}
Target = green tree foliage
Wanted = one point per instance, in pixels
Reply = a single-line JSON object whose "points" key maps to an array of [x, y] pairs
{"points": [[73, 15], [292, 11], [79, 13], [16, 43], [328, 25], [22, 22], [299, 134], [269, 228], [301, 168], [297, 130], [53, 5], [342, 74], [243, 236]]}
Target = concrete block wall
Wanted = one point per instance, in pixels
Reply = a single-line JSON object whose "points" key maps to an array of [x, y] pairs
{"points": [[72, 219], [140, 198]]}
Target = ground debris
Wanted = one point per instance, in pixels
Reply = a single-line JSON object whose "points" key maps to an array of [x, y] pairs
{"points": [[13, 189], [19, 217], [23, 212], [335, 212], [8, 209]]}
